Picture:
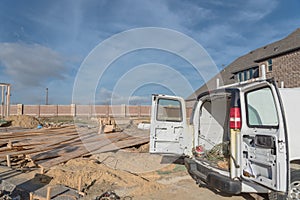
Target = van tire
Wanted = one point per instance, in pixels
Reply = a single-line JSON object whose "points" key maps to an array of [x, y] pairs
{"points": [[277, 196], [294, 188]]}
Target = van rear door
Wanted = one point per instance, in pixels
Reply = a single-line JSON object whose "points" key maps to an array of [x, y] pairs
{"points": [[169, 132], [264, 144]]}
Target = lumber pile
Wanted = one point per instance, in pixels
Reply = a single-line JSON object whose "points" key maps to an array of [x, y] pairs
{"points": [[107, 125], [49, 147]]}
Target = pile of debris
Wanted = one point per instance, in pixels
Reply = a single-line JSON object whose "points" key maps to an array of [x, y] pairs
{"points": [[30, 122], [108, 125], [218, 155], [22, 121], [4, 123]]}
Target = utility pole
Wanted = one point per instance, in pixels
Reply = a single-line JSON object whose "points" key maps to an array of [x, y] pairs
{"points": [[46, 96]]}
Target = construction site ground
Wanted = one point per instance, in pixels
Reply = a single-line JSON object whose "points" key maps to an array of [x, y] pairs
{"points": [[83, 170]]}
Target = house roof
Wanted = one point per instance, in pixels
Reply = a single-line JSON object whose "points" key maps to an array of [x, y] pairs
{"points": [[286, 45], [251, 59]]}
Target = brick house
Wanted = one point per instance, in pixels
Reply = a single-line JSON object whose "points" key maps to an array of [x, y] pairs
{"points": [[281, 60]]}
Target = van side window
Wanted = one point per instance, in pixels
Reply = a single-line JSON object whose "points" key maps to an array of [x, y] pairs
{"points": [[169, 110], [261, 108]]}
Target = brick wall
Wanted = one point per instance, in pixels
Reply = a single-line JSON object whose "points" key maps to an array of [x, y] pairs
{"points": [[102, 110], [83, 110], [286, 68], [145, 110], [48, 110], [30, 110], [64, 110]]}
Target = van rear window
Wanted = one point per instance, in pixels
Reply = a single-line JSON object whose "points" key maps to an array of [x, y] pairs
{"points": [[261, 108], [169, 110]]}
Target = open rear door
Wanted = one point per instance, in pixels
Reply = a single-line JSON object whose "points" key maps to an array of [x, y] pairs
{"points": [[264, 148], [169, 132]]}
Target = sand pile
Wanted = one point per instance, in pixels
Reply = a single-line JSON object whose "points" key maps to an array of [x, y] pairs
{"points": [[99, 177], [144, 148], [23, 121]]}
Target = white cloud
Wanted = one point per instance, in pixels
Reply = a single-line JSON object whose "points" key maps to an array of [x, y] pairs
{"points": [[94, 66], [109, 97], [256, 10], [31, 65]]}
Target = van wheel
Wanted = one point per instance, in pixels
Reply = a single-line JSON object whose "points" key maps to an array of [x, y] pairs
{"points": [[294, 190]]}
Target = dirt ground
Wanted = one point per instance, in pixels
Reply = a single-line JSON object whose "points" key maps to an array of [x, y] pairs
{"points": [[133, 175]]}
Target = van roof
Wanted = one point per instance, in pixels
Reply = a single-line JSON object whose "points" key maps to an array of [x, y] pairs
{"points": [[235, 86]]}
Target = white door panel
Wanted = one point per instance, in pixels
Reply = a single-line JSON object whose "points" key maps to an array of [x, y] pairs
{"points": [[263, 160], [169, 130]]}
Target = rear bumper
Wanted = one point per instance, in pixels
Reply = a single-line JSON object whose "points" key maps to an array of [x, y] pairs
{"points": [[212, 179]]}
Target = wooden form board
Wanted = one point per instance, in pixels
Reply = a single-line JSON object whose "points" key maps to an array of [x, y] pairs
{"points": [[49, 147]]}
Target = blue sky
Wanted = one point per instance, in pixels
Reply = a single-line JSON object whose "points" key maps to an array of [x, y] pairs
{"points": [[43, 43]]}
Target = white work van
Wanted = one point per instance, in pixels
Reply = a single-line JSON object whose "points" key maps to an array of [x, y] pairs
{"points": [[240, 138]]}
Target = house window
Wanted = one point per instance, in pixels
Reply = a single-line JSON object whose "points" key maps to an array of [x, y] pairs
{"points": [[245, 75], [240, 78], [255, 72], [250, 73], [270, 65]]}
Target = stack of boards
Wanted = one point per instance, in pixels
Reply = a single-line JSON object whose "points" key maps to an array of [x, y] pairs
{"points": [[49, 147]]}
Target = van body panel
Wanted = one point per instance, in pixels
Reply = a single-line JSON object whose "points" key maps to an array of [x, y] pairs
{"points": [[290, 98]]}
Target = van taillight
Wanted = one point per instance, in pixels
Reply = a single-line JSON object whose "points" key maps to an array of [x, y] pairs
{"points": [[235, 121]]}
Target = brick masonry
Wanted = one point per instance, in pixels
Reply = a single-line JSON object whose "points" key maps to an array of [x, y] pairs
{"points": [[286, 68], [83, 110]]}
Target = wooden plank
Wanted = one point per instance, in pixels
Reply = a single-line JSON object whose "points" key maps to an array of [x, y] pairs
{"points": [[38, 131], [41, 147], [63, 144], [57, 192], [59, 149], [34, 135], [81, 150], [130, 142], [41, 137], [43, 143]]}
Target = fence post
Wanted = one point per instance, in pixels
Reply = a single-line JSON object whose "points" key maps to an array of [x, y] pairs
{"points": [[73, 110], [20, 109], [56, 110], [123, 110], [107, 110], [39, 110], [139, 111], [90, 110]]}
